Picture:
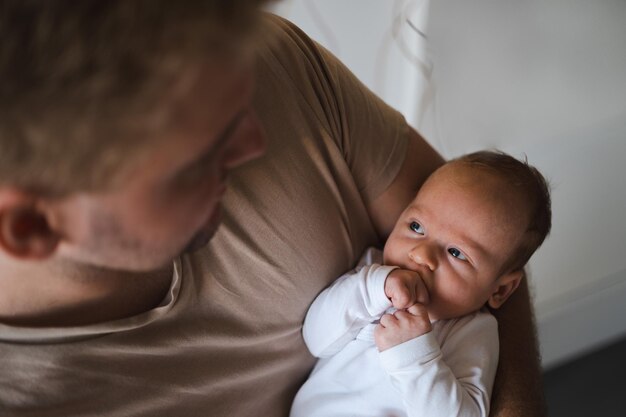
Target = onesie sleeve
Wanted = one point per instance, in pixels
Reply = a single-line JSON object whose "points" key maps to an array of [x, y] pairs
{"points": [[371, 135], [452, 377], [339, 312]]}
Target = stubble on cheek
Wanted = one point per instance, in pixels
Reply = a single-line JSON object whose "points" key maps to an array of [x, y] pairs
{"points": [[111, 245]]}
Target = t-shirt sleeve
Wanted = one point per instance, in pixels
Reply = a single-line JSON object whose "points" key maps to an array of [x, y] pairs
{"points": [[371, 135]]}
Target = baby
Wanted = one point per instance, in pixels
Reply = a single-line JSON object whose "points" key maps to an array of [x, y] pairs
{"points": [[407, 333]]}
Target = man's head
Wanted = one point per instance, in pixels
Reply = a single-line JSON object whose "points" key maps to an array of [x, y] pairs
{"points": [[119, 121], [86, 84], [471, 230]]}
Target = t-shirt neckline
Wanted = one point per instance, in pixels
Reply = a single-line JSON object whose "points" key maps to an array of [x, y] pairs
{"points": [[36, 335]]}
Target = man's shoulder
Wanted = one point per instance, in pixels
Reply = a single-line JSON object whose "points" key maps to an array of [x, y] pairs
{"points": [[284, 40]]}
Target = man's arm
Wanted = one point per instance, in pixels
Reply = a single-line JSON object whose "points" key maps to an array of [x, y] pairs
{"points": [[518, 389], [420, 161]]}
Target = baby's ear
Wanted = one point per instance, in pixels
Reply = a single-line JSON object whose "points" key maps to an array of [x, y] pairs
{"points": [[505, 285]]}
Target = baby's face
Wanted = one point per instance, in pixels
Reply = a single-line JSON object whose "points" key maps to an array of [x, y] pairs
{"points": [[457, 234]]}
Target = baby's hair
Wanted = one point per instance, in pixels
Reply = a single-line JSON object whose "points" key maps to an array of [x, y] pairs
{"points": [[530, 183]]}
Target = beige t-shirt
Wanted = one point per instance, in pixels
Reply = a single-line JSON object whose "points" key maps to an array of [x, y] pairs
{"points": [[226, 341]]}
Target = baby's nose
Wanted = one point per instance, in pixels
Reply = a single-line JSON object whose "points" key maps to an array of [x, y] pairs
{"points": [[425, 255]]}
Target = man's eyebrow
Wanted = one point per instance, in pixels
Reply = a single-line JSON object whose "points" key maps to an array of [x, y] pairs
{"points": [[221, 139]]}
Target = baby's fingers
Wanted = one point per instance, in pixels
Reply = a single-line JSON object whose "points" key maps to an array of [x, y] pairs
{"points": [[418, 310], [402, 298], [387, 320]]}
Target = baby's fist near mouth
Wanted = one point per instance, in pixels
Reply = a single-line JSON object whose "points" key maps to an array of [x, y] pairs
{"points": [[404, 288]]}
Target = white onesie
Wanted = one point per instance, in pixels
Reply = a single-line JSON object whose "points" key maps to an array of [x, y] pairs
{"points": [[447, 372]]}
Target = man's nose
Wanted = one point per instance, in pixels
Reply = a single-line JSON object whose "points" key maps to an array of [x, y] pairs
{"points": [[424, 254], [249, 142]]}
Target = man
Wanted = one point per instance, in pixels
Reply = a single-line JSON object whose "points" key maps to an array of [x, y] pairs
{"points": [[121, 124]]}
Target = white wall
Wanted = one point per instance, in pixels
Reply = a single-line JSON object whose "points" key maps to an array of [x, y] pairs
{"points": [[384, 52], [545, 78]]}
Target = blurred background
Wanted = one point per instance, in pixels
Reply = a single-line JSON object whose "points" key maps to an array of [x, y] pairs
{"points": [[543, 79]]}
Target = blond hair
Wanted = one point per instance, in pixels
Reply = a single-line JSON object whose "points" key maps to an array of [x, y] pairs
{"points": [[82, 81]]}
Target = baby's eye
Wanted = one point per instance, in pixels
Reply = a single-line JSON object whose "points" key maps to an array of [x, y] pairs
{"points": [[417, 228], [457, 254]]}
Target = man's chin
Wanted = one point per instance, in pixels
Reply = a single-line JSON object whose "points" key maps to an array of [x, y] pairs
{"points": [[204, 235]]}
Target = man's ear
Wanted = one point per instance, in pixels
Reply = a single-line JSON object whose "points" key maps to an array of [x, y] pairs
{"points": [[505, 286], [25, 232]]}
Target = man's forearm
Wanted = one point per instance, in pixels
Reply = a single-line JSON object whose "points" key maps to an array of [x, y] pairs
{"points": [[518, 389]]}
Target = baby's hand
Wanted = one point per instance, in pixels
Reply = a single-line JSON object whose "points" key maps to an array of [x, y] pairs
{"points": [[405, 288], [401, 327]]}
